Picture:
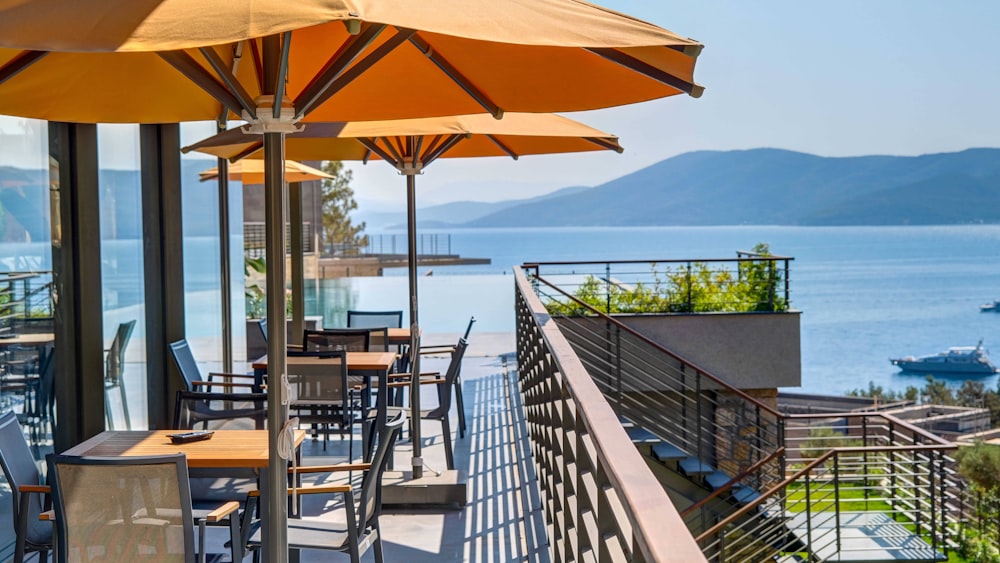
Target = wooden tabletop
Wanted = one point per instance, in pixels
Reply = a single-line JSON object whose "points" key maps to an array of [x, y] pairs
{"points": [[30, 339], [399, 335], [226, 448], [356, 361]]}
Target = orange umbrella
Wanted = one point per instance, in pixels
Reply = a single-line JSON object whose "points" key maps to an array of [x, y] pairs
{"points": [[333, 60], [275, 63], [252, 172], [410, 145]]}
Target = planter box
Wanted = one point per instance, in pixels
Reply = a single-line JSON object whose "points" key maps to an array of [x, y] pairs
{"points": [[257, 347]]}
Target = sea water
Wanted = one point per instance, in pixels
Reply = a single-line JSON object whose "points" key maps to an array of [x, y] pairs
{"points": [[866, 293]]}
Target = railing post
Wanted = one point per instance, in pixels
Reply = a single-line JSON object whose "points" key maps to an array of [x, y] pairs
{"points": [[836, 496], [607, 288], [690, 304], [809, 527], [934, 460], [788, 298], [618, 370], [698, 422]]}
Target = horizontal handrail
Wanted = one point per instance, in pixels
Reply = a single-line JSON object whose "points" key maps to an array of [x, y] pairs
{"points": [[887, 417], [759, 258]]}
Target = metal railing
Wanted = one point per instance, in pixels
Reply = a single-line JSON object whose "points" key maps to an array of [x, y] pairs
{"points": [[428, 244], [254, 239], [748, 283], [602, 503], [845, 467], [676, 400], [23, 296], [865, 475]]}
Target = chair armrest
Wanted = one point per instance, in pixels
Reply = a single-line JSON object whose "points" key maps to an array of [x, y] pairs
{"points": [[410, 375], [44, 489], [295, 347], [333, 468], [47, 516], [221, 384], [405, 384], [222, 512], [318, 489], [224, 374], [437, 349]]}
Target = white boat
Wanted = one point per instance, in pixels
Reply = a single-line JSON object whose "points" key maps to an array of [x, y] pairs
{"points": [[958, 359]]}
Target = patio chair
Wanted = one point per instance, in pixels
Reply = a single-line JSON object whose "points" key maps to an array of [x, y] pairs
{"points": [[321, 395], [374, 319], [459, 398], [445, 386], [30, 498], [199, 404], [114, 370], [126, 508], [357, 527], [43, 411], [334, 339]]}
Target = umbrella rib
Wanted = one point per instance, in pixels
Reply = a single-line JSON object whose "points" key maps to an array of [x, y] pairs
{"points": [[258, 63], [605, 144], [445, 147], [502, 146], [22, 61], [646, 69], [458, 78], [228, 79], [435, 142], [196, 73], [254, 147], [372, 145], [419, 143], [279, 87], [395, 146], [311, 95], [338, 83]]}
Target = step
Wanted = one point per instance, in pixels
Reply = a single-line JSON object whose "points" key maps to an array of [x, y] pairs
{"points": [[717, 479], [641, 435], [744, 494], [665, 451], [693, 466]]}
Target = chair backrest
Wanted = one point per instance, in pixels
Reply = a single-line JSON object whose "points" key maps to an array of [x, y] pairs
{"points": [[19, 469], [370, 503], [334, 339], [378, 339], [46, 396], [445, 389], [116, 353], [122, 508], [186, 364], [318, 379], [374, 319], [262, 325]]}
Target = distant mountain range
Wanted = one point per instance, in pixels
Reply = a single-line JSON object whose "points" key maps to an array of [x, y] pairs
{"points": [[779, 187], [757, 186]]}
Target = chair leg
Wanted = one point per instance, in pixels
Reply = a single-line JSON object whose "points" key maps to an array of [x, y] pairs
{"points": [[121, 389], [460, 405], [449, 456], [379, 557]]}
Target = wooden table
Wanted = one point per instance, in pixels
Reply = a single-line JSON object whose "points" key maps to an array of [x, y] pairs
{"points": [[399, 335], [364, 364], [228, 449]]}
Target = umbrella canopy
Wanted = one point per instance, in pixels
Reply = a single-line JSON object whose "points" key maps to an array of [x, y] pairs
{"points": [[410, 145], [252, 172], [515, 135], [343, 60]]}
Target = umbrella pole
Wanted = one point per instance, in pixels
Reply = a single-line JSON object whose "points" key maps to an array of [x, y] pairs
{"points": [[411, 232], [225, 262], [276, 533]]}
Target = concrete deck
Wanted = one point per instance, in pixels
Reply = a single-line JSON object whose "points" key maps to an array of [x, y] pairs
{"points": [[864, 537]]}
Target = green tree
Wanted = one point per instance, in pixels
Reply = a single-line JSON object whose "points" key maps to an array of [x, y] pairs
{"points": [[338, 203]]}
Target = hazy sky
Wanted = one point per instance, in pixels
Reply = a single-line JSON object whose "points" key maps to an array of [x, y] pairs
{"points": [[841, 78]]}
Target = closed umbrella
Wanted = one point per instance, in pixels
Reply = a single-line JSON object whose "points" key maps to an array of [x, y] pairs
{"points": [[410, 145], [162, 61]]}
